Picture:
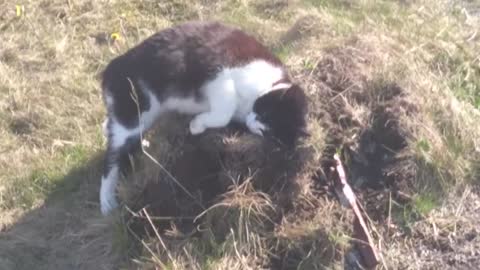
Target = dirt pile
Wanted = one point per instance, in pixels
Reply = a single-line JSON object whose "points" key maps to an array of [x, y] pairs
{"points": [[202, 168], [286, 192]]}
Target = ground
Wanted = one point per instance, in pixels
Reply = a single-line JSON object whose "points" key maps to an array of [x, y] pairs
{"points": [[394, 89]]}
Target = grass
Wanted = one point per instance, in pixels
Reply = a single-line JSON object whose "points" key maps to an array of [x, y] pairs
{"points": [[51, 140], [42, 183]]}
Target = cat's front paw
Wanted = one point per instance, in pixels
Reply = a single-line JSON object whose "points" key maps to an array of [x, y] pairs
{"points": [[254, 125], [196, 127]]}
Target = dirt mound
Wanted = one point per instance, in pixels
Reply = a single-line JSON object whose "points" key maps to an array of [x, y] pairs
{"points": [[203, 179], [203, 167]]}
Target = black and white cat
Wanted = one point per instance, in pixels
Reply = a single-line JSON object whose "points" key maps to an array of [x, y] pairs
{"points": [[214, 72]]}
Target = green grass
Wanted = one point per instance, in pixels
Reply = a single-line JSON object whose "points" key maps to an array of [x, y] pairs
{"points": [[282, 52], [51, 108], [424, 204], [58, 178], [410, 214]]}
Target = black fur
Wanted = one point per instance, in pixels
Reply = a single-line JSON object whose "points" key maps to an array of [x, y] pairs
{"points": [[284, 111]]}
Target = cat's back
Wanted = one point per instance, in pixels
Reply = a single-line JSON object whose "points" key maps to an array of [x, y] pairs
{"points": [[206, 42], [197, 49], [179, 60]]}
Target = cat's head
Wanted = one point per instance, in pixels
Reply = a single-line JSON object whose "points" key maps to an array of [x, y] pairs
{"points": [[284, 112]]}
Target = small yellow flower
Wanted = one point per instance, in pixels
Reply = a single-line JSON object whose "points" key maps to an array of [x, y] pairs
{"points": [[20, 9], [115, 36]]}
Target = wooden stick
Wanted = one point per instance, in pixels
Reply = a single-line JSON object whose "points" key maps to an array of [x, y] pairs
{"points": [[360, 230]]}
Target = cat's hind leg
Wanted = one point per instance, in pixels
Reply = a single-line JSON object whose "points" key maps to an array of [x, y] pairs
{"points": [[122, 144], [124, 129]]}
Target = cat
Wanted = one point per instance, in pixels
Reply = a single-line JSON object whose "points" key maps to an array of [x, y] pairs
{"points": [[215, 72]]}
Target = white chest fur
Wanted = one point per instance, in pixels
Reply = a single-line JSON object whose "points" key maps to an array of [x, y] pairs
{"points": [[249, 81]]}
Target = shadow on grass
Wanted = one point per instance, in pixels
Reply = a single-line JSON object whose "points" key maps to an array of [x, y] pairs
{"points": [[67, 231]]}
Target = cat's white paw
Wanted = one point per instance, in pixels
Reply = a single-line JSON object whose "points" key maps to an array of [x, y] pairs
{"points": [[254, 125], [108, 202], [257, 127], [196, 127]]}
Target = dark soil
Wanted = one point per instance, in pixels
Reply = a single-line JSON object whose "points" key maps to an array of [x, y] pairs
{"points": [[373, 150], [208, 165]]}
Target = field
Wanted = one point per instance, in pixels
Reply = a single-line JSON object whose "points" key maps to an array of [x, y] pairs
{"points": [[394, 89]]}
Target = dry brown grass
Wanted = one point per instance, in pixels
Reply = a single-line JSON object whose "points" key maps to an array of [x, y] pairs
{"points": [[400, 74]]}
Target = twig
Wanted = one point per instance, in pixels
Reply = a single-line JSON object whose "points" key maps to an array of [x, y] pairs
{"points": [[389, 218], [343, 189], [154, 255], [135, 99], [158, 235]]}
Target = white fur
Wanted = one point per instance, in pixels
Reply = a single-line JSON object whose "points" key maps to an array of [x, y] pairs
{"points": [[221, 96], [185, 105], [108, 101], [233, 92], [254, 125], [230, 96], [251, 82], [281, 86], [104, 127], [107, 191], [120, 134]]}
